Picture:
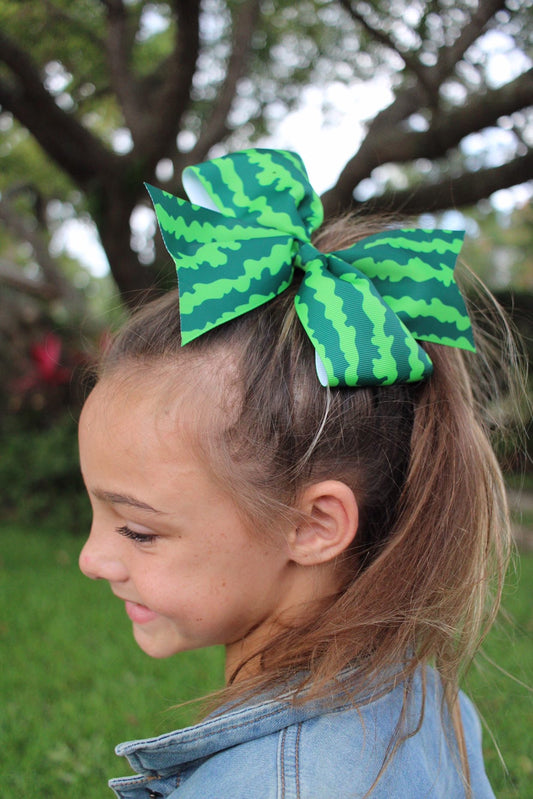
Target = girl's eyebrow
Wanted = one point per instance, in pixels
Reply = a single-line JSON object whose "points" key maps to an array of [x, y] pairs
{"points": [[122, 499]]}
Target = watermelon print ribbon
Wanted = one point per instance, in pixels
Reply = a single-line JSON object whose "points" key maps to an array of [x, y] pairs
{"points": [[363, 308]]}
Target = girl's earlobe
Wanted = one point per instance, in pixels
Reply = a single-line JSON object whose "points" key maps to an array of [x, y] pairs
{"points": [[330, 519]]}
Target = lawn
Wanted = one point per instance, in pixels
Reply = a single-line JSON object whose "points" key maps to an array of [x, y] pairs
{"points": [[73, 682]]}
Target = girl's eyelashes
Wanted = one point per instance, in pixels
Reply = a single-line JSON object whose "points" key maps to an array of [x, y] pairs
{"points": [[139, 538]]}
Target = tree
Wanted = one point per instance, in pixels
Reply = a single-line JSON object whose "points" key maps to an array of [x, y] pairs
{"points": [[113, 91], [503, 255]]}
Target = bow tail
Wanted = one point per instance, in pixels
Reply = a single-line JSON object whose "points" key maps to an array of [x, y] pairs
{"points": [[413, 271], [357, 336]]}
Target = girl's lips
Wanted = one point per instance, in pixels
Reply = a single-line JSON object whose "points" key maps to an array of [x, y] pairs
{"points": [[139, 614]]}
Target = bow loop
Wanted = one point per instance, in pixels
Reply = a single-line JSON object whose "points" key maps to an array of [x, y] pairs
{"points": [[364, 308], [269, 188]]}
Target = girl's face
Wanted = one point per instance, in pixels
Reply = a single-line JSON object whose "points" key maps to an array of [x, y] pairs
{"points": [[166, 537]]}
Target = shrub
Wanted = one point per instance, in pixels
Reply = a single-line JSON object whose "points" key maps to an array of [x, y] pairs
{"points": [[40, 477]]}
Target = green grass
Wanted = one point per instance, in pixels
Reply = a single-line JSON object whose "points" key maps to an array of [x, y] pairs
{"points": [[520, 481], [74, 683], [503, 695]]}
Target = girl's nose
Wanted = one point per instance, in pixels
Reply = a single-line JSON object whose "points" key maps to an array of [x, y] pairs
{"points": [[100, 561]]}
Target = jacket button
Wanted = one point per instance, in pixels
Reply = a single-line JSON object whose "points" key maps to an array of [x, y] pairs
{"points": [[154, 794]]}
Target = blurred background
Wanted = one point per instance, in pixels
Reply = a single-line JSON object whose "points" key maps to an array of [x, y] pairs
{"points": [[422, 109]]}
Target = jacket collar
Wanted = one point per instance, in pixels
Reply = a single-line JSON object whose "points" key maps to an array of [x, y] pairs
{"points": [[227, 728]]}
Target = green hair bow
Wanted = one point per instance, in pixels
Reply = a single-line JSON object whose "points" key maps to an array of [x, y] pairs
{"points": [[363, 307]]}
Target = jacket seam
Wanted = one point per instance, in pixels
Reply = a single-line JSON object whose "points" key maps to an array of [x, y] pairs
{"points": [[284, 754]]}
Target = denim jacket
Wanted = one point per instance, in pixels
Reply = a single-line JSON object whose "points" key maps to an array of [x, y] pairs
{"points": [[277, 750]]}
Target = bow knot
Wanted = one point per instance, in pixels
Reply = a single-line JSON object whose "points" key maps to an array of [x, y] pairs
{"points": [[364, 308]]}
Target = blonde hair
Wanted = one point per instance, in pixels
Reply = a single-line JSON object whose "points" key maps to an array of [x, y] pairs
{"points": [[422, 581]]}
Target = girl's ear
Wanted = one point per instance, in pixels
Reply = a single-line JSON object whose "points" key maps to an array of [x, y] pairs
{"points": [[330, 523]]}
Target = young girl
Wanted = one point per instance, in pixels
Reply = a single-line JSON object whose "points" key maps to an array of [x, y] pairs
{"points": [[288, 460]]}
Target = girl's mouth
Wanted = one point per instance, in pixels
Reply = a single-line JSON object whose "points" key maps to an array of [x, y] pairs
{"points": [[139, 614]]}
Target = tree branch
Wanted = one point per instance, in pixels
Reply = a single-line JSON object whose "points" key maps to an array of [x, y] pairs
{"points": [[14, 278], [450, 56], [215, 127], [53, 277], [366, 159], [431, 78], [464, 190], [397, 145], [386, 143], [65, 140], [118, 46], [408, 100], [171, 99], [411, 62], [400, 146]]}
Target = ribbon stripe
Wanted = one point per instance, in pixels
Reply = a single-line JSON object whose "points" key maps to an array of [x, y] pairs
{"points": [[363, 308]]}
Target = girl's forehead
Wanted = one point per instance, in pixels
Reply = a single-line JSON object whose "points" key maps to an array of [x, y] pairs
{"points": [[131, 444], [133, 433], [116, 403], [189, 403]]}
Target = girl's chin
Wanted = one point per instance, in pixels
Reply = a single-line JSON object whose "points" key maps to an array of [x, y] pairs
{"points": [[156, 640], [153, 646]]}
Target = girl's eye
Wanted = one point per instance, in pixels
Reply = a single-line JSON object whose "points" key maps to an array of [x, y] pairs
{"points": [[139, 538]]}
